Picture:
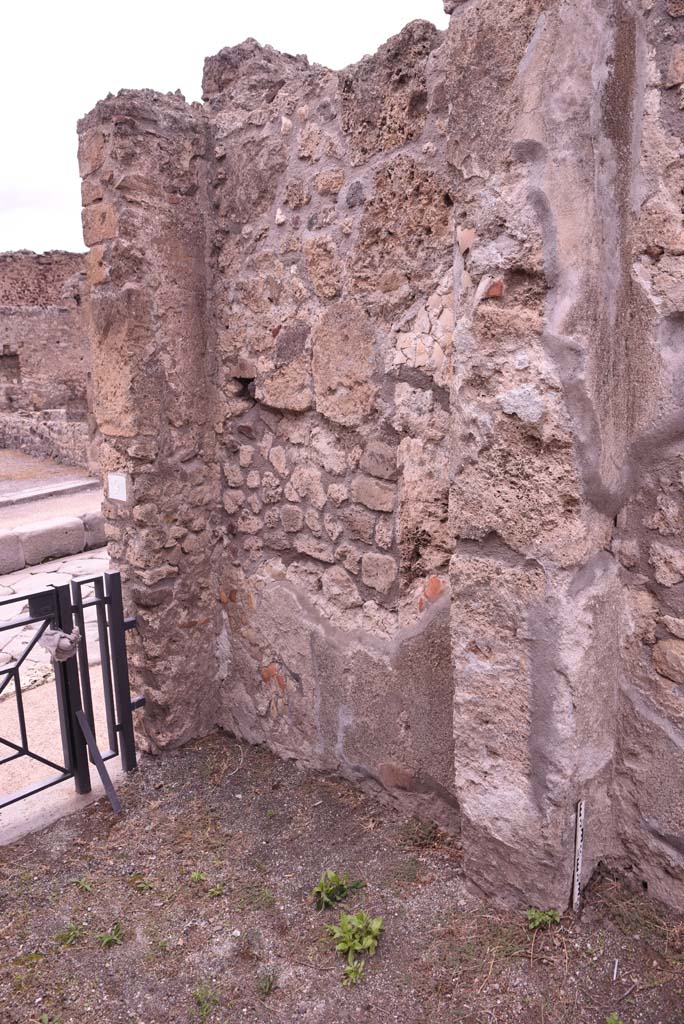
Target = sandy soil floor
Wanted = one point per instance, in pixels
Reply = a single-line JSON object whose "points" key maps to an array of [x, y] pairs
{"points": [[195, 905]]}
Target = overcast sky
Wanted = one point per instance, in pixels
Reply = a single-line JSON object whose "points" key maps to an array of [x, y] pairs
{"points": [[58, 57]]}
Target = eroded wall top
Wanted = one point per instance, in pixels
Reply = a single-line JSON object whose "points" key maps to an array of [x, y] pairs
{"points": [[41, 280], [44, 355]]}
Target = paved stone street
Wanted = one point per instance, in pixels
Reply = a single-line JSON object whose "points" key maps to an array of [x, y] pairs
{"points": [[38, 694], [39, 577]]}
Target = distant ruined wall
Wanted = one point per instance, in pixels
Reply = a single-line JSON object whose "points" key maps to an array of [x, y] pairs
{"points": [[389, 358], [44, 355]]}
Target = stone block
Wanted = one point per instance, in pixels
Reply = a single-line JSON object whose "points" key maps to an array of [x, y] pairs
{"points": [[233, 500], [94, 525], [99, 223], [339, 587], [91, 151], [343, 364], [288, 386], [380, 460], [305, 544], [378, 571], [297, 194], [360, 524], [52, 539], [96, 268], [668, 660], [324, 267], [292, 518], [373, 493], [675, 70], [11, 552], [668, 564], [306, 482], [329, 182]]}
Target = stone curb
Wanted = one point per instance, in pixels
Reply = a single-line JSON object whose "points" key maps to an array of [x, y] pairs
{"points": [[50, 491], [53, 538]]}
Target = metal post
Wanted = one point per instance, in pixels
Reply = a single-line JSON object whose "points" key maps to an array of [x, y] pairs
{"points": [[83, 669], [122, 690], [45, 605], [67, 672], [103, 640]]}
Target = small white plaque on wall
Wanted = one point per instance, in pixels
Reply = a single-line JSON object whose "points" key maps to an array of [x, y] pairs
{"points": [[116, 487]]}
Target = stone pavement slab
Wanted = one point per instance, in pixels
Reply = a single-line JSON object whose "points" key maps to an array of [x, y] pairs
{"points": [[38, 689], [53, 522], [78, 503]]}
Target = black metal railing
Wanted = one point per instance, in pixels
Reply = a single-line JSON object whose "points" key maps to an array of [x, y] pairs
{"points": [[59, 607]]}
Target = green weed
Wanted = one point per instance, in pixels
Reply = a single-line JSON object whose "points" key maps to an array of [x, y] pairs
{"points": [[541, 918], [114, 937], [352, 972], [71, 934], [355, 936], [205, 999], [333, 889], [140, 883]]}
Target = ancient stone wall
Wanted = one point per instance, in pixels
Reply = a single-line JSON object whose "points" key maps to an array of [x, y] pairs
{"points": [[389, 360], [44, 356]]}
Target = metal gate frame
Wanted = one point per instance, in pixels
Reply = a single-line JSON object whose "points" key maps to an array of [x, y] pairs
{"points": [[58, 607]]}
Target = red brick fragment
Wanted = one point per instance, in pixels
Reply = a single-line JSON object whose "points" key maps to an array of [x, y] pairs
{"points": [[495, 290], [433, 588]]}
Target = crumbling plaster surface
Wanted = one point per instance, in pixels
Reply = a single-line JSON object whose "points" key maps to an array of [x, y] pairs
{"points": [[389, 357], [44, 356]]}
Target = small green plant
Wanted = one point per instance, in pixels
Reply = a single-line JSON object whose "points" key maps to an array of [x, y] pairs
{"points": [[215, 891], [28, 959], [537, 918], [352, 972], [197, 877], [84, 885], [613, 1019], [267, 983], [71, 934], [45, 1018], [140, 883], [205, 999], [270, 813], [332, 889], [355, 934], [114, 937]]}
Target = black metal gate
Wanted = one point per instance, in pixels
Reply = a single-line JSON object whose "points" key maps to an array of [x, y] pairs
{"points": [[60, 607]]}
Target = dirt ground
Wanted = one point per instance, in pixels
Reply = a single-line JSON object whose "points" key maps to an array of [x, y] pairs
{"points": [[203, 886]]}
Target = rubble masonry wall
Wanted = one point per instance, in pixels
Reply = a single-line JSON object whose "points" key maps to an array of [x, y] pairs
{"points": [[390, 360], [44, 362]]}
